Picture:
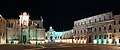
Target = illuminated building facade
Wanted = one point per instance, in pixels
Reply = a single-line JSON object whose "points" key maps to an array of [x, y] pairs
{"points": [[2, 30], [54, 36], [97, 29], [25, 30], [116, 35], [68, 36]]}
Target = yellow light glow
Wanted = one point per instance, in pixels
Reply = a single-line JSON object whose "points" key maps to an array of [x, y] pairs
{"points": [[110, 41], [85, 40], [75, 41], [46, 41], [16, 42], [95, 41]]}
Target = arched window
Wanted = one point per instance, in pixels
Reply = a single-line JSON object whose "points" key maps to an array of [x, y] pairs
{"points": [[74, 32], [95, 30], [100, 28], [104, 28], [110, 27], [46, 37]]}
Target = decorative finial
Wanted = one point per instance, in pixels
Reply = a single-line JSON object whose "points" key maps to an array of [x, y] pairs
{"points": [[21, 13], [24, 13], [50, 27], [41, 18]]}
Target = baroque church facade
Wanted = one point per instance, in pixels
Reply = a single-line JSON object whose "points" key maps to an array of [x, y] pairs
{"points": [[25, 30]]}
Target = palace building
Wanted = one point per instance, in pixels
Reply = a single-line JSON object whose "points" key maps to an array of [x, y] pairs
{"points": [[99, 29]]}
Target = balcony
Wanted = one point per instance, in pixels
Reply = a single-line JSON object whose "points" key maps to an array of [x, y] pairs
{"points": [[117, 26]]}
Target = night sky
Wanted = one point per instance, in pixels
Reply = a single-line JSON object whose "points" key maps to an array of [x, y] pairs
{"points": [[60, 14]]}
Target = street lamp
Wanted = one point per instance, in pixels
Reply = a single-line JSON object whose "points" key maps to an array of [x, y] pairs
{"points": [[36, 37]]}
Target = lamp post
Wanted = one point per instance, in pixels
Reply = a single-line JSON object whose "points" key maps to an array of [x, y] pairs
{"points": [[21, 29], [72, 38], [36, 37]]}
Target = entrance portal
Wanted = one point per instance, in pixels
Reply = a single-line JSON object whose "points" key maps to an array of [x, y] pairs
{"points": [[90, 39], [24, 39]]}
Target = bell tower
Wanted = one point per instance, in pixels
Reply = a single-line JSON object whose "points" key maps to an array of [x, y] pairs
{"points": [[24, 19]]}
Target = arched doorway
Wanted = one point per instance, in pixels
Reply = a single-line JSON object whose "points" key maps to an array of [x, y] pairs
{"points": [[90, 39], [51, 38], [24, 39]]}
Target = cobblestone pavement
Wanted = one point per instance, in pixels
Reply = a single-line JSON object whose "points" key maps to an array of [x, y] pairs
{"points": [[59, 46]]}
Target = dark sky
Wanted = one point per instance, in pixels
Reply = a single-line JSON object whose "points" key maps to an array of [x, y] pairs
{"points": [[60, 14]]}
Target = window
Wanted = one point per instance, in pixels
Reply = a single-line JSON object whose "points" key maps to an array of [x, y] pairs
{"points": [[89, 29], [100, 36], [46, 37], [37, 26], [105, 36], [99, 19], [114, 22], [95, 29], [114, 30], [119, 22], [99, 28], [104, 18], [95, 20], [95, 36], [81, 31], [74, 31], [110, 36], [11, 25], [60, 37], [18, 23], [78, 31], [89, 21], [110, 27], [55, 37], [78, 24], [104, 28], [85, 22], [119, 30], [110, 16], [81, 23], [84, 31]]}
